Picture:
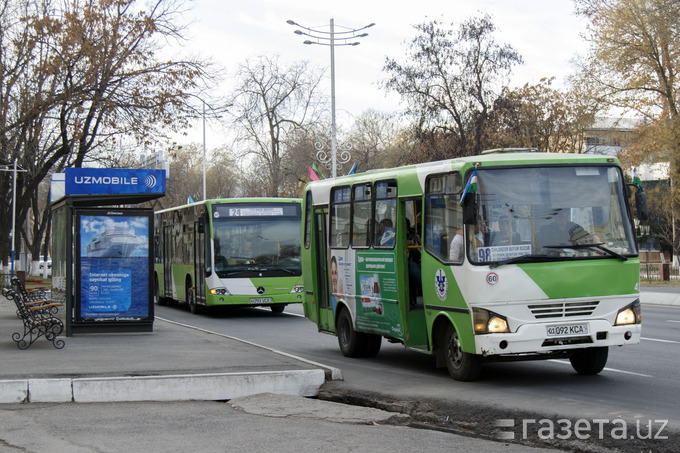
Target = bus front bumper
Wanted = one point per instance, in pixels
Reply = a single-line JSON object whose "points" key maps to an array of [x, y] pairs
{"points": [[545, 338]]}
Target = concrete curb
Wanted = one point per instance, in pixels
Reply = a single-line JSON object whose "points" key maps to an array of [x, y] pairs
{"points": [[660, 298], [199, 387]]}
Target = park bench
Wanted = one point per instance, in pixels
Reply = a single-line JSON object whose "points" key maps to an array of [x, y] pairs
{"points": [[38, 317]]}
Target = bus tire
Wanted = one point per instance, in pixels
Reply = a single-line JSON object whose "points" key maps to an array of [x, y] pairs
{"points": [[372, 344], [348, 339], [462, 366], [277, 308], [191, 299], [589, 361]]}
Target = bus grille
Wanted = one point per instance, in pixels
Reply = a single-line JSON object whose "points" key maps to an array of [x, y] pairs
{"points": [[563, 309]]}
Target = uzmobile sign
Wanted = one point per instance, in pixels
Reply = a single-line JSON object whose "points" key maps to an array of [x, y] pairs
{"points": [[113, 181]]}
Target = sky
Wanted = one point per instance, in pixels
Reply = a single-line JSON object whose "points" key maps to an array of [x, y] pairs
{"points": [[546, 33]]}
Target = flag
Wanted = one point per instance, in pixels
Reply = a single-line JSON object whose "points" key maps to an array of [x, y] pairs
{"points": [[190, 200], [470, 187], [636, 178], [312, 174], [316, 169], [353, 170]]}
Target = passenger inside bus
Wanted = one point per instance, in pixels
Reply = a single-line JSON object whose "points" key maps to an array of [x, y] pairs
{"points": [[457, 248], [562, 231], [506, 233], [386, 233], [414, 274]]}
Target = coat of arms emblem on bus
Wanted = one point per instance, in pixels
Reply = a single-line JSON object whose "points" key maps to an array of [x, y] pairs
{"points": [[440, 284]]}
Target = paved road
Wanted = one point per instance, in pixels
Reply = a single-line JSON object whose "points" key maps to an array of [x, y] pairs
{"points": [[638, 384]]}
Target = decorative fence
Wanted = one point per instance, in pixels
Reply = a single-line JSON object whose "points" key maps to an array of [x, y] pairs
{"points": [[659, 271]]}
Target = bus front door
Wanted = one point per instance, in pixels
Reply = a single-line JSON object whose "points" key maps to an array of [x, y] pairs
{"points": [[167, 261], [415, 330], [199, 264], [321, 277]]}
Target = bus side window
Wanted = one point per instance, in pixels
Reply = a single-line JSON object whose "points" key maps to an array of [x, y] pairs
{"points": [[361, 215], [339, 217], [444, 218], [385, 214]]}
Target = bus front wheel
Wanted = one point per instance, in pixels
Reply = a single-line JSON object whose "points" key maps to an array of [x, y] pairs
{"points": [[348, 338], [462, 366], [277, 308], [590, 360]]}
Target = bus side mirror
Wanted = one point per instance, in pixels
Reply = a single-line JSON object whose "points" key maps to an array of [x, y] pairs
{"points": [[640, 201], [201, 223], [641, 205], [470, 209]]}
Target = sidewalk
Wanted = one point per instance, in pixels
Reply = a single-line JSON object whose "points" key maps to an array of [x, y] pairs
{"points": [[656, 296], [172, 363]]}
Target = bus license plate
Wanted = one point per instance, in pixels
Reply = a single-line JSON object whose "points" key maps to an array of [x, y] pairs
{"points": [[567, 330], [261, 300]]}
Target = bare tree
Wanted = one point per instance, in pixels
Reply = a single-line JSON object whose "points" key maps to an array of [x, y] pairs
{"points": [[270, 104], [450, 80], [80, 73]]}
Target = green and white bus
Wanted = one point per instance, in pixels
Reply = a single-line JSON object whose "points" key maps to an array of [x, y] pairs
{"points": [[510, 255], [242, 251]]}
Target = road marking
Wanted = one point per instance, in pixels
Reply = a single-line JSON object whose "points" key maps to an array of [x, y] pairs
{"points": [[608, 369], [671, 320], [660, 340], [335, 373]]}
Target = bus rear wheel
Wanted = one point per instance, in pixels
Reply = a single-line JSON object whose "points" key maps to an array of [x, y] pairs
{"points": [[191, 299], [462, 366], [159, 300], [277, 308], [589, 361], [372, 344], [348, 338]]}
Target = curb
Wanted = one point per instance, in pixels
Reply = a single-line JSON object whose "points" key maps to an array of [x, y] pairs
{"points": [[197, 387], [660, 298]]}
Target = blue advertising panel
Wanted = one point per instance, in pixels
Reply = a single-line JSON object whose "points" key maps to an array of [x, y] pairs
{"points": [[113, 181], [115, 266]]}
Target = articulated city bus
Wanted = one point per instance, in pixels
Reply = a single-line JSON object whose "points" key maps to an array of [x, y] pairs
{"points": [[229, 252], [510, 255]]}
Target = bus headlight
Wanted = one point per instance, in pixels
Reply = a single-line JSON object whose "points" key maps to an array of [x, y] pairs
{"points": [[216, 291], [629, 315], [297, 289], [486, 321]]}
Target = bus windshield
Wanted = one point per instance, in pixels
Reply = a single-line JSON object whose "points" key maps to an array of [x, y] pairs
{"points": [[261, 239], [545, 213]]}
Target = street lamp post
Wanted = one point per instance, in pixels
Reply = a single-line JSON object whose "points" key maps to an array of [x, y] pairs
{"points": [[347, 38], [14, 210], [204, 192]]}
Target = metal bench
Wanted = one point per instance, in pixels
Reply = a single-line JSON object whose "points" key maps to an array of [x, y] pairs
{"points": [[38, 317]]}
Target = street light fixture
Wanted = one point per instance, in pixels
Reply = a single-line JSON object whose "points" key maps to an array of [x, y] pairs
{"points": [[346, 37]]}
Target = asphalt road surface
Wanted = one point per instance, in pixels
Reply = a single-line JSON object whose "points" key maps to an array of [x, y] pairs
{"points": [[633, 404]]}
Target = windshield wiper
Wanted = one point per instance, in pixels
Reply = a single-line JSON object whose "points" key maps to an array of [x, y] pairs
{"points": [[594, 245], [285, 269], [518, 259]]}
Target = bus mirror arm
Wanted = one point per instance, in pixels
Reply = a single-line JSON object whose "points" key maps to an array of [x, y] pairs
{"points": [[470, 210], [640, 202]]}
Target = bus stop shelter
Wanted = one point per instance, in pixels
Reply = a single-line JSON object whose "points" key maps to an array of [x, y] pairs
{"points": [[102, 248]]}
